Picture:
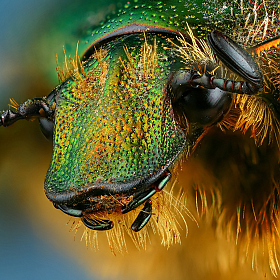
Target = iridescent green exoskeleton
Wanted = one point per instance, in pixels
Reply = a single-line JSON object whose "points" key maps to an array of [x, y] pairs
{"points": [[133, 106]]}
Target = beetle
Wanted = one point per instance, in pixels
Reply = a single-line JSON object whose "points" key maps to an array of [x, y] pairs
{"points": [[116, 122]]}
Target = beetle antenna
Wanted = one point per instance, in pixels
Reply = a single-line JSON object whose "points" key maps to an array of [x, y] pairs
{"points": [[30, 109]]}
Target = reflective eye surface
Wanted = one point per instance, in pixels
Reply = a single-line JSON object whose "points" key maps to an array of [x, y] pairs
{"points": [[204, 106], [47, 128]]}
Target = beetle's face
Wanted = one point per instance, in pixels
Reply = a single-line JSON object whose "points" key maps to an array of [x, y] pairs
{"points": [[115, 130]]}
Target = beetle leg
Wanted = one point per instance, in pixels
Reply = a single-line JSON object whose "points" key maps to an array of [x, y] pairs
{"points": [[143, 217], [209, 81], [142, 197], [32, 108], [97, 224], [184, 79]]}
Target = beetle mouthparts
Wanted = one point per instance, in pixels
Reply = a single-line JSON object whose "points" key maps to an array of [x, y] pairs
{"points": [[141, 197], [112, 204], [97, 224]]}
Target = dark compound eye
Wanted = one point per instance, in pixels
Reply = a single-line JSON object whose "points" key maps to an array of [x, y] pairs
{"points": [[204, 106], [47, 125], [199, 104], [47, 128]]}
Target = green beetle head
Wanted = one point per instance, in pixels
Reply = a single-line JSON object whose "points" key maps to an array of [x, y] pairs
{"points": [[115, 132], [117, 128], [118, 117]]}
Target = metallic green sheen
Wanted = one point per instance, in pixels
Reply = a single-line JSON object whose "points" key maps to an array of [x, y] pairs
{"points": [[170, 15], [119, 128]]}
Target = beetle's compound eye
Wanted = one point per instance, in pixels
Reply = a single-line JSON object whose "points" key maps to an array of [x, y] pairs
{"points": [[46, 124], [200, 105], [47, 128], [205, 106]]}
